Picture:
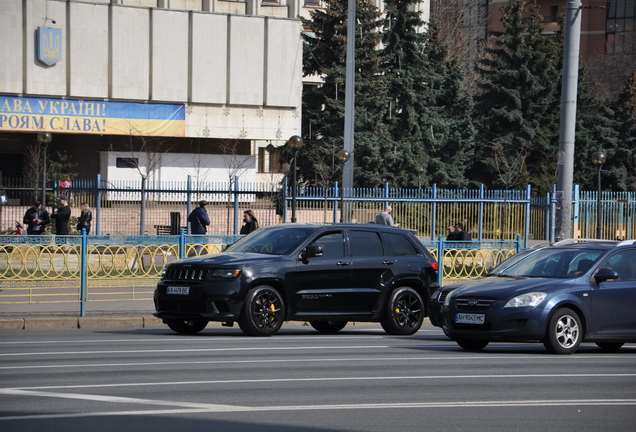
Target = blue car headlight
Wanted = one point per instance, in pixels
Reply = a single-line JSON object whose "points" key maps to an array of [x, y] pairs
{"points": [[526, 300]]}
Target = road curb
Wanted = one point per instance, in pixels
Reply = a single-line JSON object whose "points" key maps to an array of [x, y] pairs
{"points": [[11, 324]]}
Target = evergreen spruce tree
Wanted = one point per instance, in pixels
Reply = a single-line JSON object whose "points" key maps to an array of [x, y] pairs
{"points": [[429, 106], [408, 95], [451, 132], [323, 106], [517, 111], [620, 169]]}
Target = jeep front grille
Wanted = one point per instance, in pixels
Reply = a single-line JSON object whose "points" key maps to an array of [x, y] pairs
{"points": [[187, 274]]}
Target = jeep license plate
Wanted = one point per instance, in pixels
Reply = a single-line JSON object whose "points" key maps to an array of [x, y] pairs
{"points": [[176, 290], [463, 318]]}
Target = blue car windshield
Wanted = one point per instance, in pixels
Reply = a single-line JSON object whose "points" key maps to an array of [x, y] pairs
{"points": [[554, 263], [271, 241]]}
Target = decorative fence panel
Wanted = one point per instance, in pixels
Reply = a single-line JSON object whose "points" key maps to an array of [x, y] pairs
{"points": [[487, 215]]}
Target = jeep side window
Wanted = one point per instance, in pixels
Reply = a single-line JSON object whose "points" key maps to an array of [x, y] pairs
{"points": [[397, 244], [365, 243], [332, 245]]}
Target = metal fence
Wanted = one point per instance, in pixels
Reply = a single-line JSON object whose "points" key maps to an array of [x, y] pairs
{"points": [[487, 215], [80, 269]]}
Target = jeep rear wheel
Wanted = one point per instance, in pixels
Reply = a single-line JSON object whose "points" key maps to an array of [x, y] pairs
{"points": [[263, 312], [405, 312], [186, 327], [328, 326]]}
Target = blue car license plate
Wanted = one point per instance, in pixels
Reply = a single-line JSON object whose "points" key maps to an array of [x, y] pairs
{"points": [[464, 318]]}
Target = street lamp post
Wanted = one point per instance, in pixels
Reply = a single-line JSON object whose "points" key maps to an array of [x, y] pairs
{"points": [[598, 159], [44, 139], [343, 156], [295, 143]]}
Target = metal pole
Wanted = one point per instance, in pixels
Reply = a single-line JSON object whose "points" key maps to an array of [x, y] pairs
{"points": [[293, 217], [347, 178], [598, 204], [44, 178], [569, 87]]}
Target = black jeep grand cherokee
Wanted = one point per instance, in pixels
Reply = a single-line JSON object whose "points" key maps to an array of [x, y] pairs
{"points": [[325, 274]]}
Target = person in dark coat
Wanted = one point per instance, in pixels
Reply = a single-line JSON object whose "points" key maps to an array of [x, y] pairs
{"points": [[36, 218], [461, 234], [62, 215], [251, 223], [452, 233], [85, 219], [199, 219]]}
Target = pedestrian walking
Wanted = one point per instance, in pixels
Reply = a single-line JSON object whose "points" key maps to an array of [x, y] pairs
{"points": [[452, 233], [86, 216], [385, 218], [461, 234], [36, 218], [199, 219], [250, 222]]}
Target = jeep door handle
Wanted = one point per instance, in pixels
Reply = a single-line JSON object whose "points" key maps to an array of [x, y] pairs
{"points": [[342, 263], [388, 262]]}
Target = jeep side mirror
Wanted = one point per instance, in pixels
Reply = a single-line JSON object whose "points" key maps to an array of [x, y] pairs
{"points": [[605, 274], [311, 251]]}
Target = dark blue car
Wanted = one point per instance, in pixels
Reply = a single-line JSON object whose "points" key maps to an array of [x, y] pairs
{"points": [[561, 295]]}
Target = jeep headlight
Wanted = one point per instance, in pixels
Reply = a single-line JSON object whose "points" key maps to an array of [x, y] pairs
{"points": [[226, 273], [526, 300], [163, 273]]}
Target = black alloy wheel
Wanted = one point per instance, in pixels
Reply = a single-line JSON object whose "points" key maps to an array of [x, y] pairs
{"points": [[405, 312], [263, 312]]}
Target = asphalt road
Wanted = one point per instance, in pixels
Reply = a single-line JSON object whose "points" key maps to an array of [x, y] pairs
{"points": [[299, 380]]}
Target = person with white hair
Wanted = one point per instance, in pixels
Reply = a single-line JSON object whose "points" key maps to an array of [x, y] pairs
{"points": [[385, 218]]}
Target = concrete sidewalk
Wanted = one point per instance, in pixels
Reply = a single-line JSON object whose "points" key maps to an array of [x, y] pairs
{"points": [[110, 314]]}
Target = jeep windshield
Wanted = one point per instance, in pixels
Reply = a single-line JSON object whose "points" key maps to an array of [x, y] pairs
{"points": [[554, 263], [271, 241]]}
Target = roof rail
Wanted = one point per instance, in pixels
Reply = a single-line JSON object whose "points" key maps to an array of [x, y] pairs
{"points": [[627, 243], [582, 240]]}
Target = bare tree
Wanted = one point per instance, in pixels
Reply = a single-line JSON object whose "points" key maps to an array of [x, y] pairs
{"points": [[237, 160], [463, 25], [32, 168], [146, 157]]}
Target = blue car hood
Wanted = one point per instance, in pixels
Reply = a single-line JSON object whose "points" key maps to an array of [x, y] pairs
{"points": [[503, 287]]}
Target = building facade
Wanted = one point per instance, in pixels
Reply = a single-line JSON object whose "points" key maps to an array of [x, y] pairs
{"points": [[124, 84]]}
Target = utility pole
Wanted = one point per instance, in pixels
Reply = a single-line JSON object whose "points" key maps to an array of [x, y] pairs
{"points": [[347, 173], [567, 131]]}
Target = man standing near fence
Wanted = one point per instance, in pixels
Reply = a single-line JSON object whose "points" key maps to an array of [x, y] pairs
{"points": [[385, 218], [36, 219], [461, 234], [62, 215], [199, 219]]}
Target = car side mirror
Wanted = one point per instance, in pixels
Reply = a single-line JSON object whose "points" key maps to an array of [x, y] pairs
{"points": [[605, 274], [311, 251]]}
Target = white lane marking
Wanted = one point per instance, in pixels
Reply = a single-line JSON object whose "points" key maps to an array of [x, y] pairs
{"points": [[159, 351], [213, 338], [213, 408], [511, 357], [118, 399], [327, 379]]}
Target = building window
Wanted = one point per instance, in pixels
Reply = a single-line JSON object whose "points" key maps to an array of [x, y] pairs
{"points": [[554, 13], [620, 35], [126, 162], [269, 159]]}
